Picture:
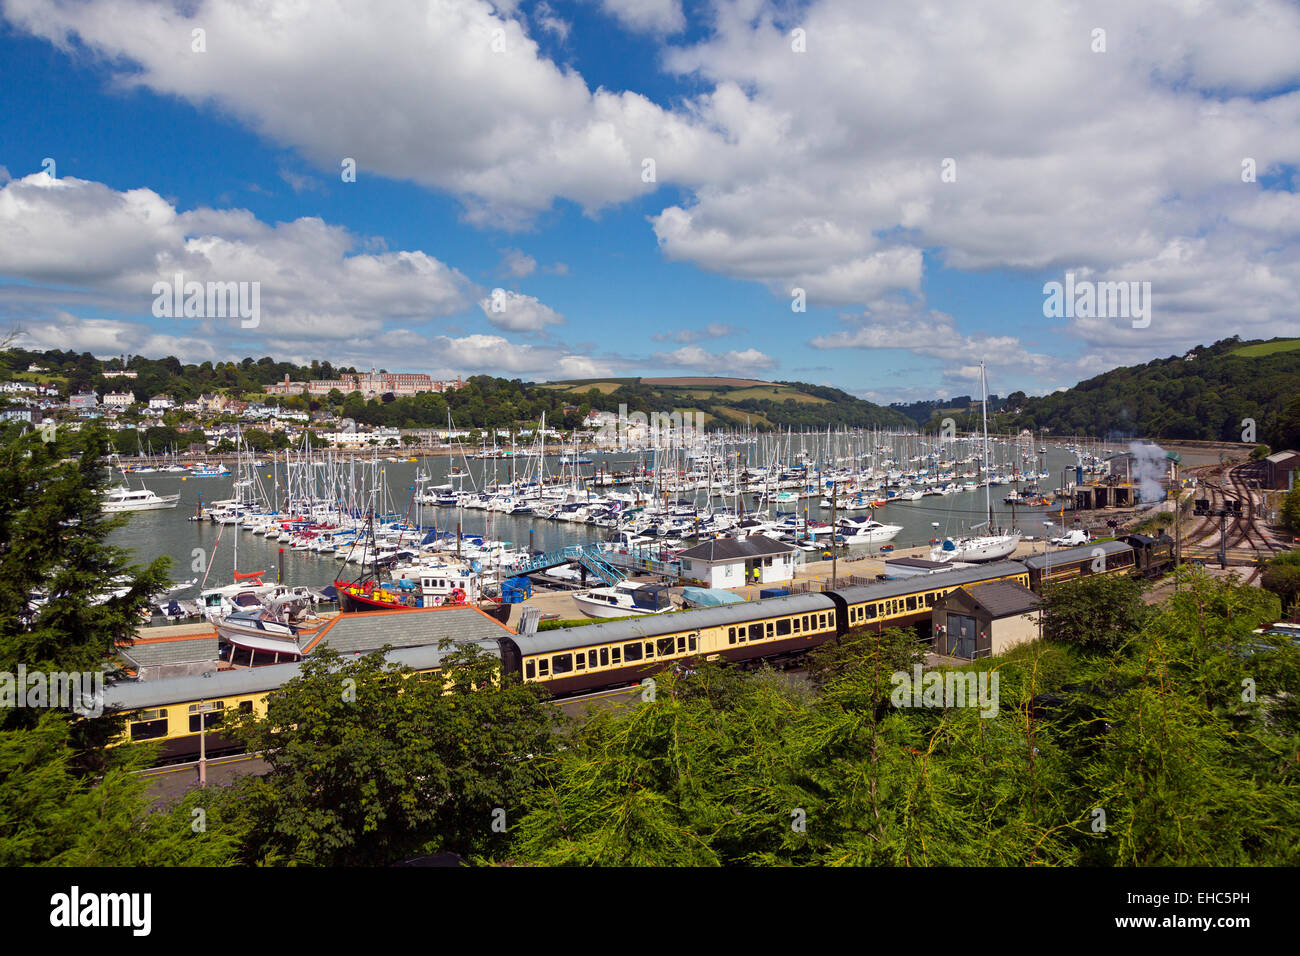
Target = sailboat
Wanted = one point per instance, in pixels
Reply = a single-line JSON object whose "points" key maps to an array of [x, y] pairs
{"points": [[986, 547]]}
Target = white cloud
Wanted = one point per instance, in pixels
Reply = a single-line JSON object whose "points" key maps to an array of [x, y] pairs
{"points": [[417, 92], [724, 363], [714, 330], [662, 17], [516, 312], [517, 264], [110, 247], [547, 19]]}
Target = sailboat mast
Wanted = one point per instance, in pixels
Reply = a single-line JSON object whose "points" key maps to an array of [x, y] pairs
{"points": [[984, 409]]}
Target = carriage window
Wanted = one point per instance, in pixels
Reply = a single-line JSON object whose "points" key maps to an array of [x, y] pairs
{"points": [[731, 635], [868, 611], [823, 620], [783, 626], [649, 649], [543, 667], [665, 645], [769, 629], [149, 724], [690, 641], [245, 706], [615, 653], [582, 662], [604, 657], [681, 645], [756, 632], [529, 671], [212, 716], [591, 658], [805, 622], [631, 652], [929, 599], [562, 663], [911, 603], [796, 625]]}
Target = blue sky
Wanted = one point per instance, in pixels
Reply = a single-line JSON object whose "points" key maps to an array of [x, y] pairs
{"points": [[513, 160]]}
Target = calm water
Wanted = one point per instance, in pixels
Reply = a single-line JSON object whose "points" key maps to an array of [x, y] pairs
{"points": [[192, 544]]}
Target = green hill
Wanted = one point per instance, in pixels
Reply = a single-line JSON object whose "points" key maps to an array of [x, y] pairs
{"points": [[1205, 394], [733, 403]]}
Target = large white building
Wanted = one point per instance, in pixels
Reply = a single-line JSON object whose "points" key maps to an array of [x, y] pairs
{"points": [[118, 399]]}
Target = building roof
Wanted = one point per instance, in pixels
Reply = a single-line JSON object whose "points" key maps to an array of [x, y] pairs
{"points": [[1003, 598], [736, 549], [1282, 456], [365, 631], [922, 563], [187, 649], [948, 579]]}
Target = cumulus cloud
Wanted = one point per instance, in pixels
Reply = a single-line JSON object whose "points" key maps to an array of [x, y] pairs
{"points": [[516, 312], [714, 330], [662, 17], [721, 363], [517, 265], [453, 95], [118, 244]]}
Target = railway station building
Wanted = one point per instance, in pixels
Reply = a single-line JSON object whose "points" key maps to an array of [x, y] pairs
{"points": [[732, 562], [984, 619]]}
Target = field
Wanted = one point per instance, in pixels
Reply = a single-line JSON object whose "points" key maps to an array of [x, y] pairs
{"points": [[1267, 348], [703, 382]]}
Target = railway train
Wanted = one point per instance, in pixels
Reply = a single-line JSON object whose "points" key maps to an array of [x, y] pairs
{"points": [[624, 651]]}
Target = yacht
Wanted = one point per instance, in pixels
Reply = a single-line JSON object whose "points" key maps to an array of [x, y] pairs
{"points": [[866, 530], [624, 599], [123, 498], [985, 547]]}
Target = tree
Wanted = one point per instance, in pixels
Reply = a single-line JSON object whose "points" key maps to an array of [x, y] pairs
{"points": [[371, 764], [1282, 577], [1291, 511], [1097, 613]]}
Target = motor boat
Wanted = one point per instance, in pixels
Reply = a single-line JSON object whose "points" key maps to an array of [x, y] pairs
{"points": [[625, 599]]}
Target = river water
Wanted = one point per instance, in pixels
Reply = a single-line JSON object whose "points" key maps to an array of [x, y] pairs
{"points": [[197, 548]]}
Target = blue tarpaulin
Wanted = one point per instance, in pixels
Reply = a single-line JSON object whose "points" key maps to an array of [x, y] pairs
{"points": [[710, 597]]}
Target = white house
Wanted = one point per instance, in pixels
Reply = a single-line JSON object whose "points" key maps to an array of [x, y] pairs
{"points": [[118, 399], [161, 403], [731, 562]]}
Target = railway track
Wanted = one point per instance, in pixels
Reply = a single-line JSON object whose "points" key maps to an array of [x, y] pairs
{"points": [[1247, 538]]}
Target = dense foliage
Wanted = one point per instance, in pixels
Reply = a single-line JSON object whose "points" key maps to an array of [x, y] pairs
{"points": [[1209, 394], [64, 797]]}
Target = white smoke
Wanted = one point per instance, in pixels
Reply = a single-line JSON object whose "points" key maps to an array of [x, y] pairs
{"points": [[1149, 471]]}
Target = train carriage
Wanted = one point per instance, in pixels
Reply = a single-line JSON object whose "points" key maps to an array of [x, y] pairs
{"points": [[908, 603], [172, 710], [571, 660], [1067, 564]]}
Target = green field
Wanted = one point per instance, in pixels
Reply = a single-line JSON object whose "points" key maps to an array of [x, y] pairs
{"points": [[1267, 348]]}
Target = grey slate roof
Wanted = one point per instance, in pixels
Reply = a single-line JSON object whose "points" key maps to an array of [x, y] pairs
{"points": [[736, 549], [1003, 598], [655, 625], [948, 579], [130, 695], [367, 631], [199, 648]]}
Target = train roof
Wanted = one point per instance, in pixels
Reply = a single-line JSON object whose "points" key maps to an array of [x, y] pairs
{"points": [[928, 582], [132, 695], [656, 625], [1084, 552]]}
